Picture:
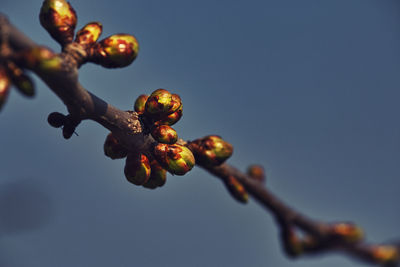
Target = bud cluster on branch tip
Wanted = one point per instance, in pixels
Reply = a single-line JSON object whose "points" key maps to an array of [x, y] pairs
{"points": [[387, 255], [176, 159], [137, 168], [11, 74], [236, 189], [115, 51], [256, 172], [211, 150], [347, 231]]}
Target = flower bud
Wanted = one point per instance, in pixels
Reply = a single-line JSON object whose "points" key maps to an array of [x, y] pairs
{"points": [[137, 169], [113, 149], [174, 158], [56, 119], [89, 34], [162, 103], [256, 172], [164, 134], [236, 189], [4, 86], [42, 59], [116, 51], [21, 81], [140, 103], [385, 254], [170, 119], [158, 176], [349, 232], [291, 242], [59, 19], [211, 150]]}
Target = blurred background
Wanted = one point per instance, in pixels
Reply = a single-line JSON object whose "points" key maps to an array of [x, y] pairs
{"points": [[309, 89]]}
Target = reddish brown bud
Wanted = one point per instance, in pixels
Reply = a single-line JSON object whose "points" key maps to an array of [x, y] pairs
{"points": [[174, 158], [161, 103], [89, 34], [59, 19], [140, 104], [291, 242], [113, 149], [236, 189], [116, 51], [4, 86], [137, 169], [211, 150], [347, 231], [170, 119], [257, 172], [387, 255], [158, 176], [164, 134]]}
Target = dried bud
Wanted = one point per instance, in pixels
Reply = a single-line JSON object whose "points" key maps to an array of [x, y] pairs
{"points": [[162, 103], [113, 149], [256, 172], [56, 119], [174, 158], [164, 134], [236, 189], [158, 176], [4, 86], [116, 51], [171, 119], [137, 169], [348, 232], [42, 59], [140, 104], [89, 34], [59, 19], [385, 254], [211, 150]]}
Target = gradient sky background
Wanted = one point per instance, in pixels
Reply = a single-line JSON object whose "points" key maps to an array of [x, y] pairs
{"points": [[308, 88]]}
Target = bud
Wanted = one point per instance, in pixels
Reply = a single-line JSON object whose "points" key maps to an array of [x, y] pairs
{"points": [[211, 150], [164, 134], [113, 149], [291, 242], [116, 51], [174, 158], [171, 119], [89, 34], [256, 172], [236, 189], [56, 119], [162, 103], [21, 81], [385, 254], [158, 176], [137, 169], [4, 86], [140, 103], [42, 59], [59, 19], [349, 232]]}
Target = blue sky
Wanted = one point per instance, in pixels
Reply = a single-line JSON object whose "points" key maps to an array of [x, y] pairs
{"points": [[307, 88]]}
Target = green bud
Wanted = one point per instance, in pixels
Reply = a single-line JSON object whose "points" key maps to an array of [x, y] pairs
{"points": [[385, 254], [42, 59], [115, 51], [21, 81], [89, 34], [158, 176], [113, 149], [4, 86], [347, 231], [164, 134], [162, 103], [59, 19], [211, 150], [256, 172], [236, 189], [171, 119], [140, 104], [176, 159], [137, 169]]}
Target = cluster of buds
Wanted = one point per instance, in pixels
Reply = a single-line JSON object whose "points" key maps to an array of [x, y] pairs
{"points": [[60, 19], [158, 112], [11, 74]]}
